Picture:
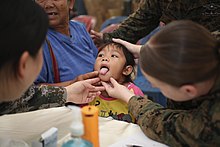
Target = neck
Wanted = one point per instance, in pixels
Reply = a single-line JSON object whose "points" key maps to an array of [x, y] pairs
{"points": [[63, 29], [205, 87], [104, 94], [7, 91], [10, 89]]}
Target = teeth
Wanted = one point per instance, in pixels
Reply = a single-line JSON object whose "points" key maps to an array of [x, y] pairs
{"points": [[52, 13]]}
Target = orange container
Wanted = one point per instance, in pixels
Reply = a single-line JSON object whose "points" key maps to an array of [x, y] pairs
{"points": [[91, 126]]}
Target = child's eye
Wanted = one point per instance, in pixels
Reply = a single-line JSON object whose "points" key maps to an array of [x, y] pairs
{"points": [[100, 55], [114, 56]]}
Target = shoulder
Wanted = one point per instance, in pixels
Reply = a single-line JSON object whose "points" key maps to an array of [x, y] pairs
{"points": [[137, 91], [132, 85], [76, 24]]}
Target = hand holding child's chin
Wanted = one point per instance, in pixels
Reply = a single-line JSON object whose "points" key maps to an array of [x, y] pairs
{"points": [[114, 89]]}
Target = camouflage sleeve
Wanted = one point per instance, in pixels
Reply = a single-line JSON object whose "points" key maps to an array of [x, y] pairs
{"points": [[175, 10], [138, 24], [216, 34], [36, 97], [193, 127], [206, 13]]}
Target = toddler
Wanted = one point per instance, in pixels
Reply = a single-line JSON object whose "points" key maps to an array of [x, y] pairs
{"points": [[114, 60]]}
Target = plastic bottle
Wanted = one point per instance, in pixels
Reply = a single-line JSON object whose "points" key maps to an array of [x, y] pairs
{"points": [[77, 130], [91, 127]]}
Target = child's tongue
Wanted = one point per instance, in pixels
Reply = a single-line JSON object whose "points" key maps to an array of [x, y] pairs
{"points": [[103, 70]]}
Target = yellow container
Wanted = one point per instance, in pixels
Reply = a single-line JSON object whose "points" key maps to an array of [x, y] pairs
{"points": [[91, 126]]}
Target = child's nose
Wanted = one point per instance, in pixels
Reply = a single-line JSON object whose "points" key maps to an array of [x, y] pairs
{"points": [[104, 59]]}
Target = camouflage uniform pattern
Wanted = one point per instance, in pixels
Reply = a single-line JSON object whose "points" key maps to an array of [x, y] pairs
{"points": [[151, 12], [216, 34], [192, 123], [36, 97]]}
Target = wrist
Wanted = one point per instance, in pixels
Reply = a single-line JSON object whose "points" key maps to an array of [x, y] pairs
{"points": [[128, 97], [65, 93], [137, 55]]}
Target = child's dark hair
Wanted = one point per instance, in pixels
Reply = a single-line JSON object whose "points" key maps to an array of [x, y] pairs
{"points": [[128, 56]]}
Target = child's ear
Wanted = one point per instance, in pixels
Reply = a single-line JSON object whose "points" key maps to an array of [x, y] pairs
{"points": [[127, 70]]}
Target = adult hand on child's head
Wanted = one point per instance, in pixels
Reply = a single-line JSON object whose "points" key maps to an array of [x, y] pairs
{"points": [[97, 37], [83, 91], [117, 90], [133, 48]]}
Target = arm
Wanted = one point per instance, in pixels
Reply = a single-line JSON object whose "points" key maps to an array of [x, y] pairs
{"points": [[138, 24], [36, 97], [174, 127], [78, 92], [177, 127], [133, 48], [79, 78], [46, 96]]}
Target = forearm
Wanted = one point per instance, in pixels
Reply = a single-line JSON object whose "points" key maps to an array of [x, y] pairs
{"points": [[47, 97], [137, 25], [36, 97], [172, 127]]}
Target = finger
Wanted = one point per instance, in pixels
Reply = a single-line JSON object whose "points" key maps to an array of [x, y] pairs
{"points": [[98, 93], [97, 83], [92, 32], [88, 86], [93, 80], [113, 81], [119, 41], [95, 33], [89, 75], [93, 36], [107, 86], [91, 98], [91, 94], [98, 88], [92, 74]]}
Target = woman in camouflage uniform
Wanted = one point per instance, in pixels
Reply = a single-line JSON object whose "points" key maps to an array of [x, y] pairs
{"points": [[23, 29], [183, 61]]}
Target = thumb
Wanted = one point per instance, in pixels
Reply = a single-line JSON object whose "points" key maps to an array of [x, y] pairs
{"points": [[107, 86], [114, 82], [94, 32]]}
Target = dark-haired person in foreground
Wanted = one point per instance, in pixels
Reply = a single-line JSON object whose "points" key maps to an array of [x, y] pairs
{"points": [[22, 32]]}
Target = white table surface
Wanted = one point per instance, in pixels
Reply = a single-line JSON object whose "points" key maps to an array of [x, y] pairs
{"points": [[29, 126]]}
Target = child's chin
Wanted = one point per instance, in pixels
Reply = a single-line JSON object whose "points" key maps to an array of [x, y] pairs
{"points": [[104, 78]]}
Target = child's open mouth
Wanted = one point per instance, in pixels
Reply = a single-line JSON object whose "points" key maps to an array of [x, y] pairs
{"points": [[103, 70]]}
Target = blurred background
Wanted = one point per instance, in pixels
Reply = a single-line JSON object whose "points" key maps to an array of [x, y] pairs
{"points": [[103, 10]]}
